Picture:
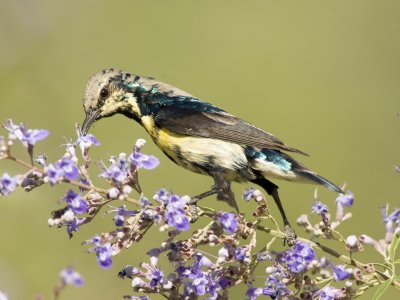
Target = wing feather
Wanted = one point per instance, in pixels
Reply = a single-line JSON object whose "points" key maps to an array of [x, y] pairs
{"points": [[217, 125]]}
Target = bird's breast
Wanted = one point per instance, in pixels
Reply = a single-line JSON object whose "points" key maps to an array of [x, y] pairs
{"points": [[201, 155]]}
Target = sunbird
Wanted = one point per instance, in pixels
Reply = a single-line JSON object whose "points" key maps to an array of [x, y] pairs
{"points": [[198, 136]]}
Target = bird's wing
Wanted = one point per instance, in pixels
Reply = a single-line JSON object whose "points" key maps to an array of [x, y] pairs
{"points": [[217, 125]]}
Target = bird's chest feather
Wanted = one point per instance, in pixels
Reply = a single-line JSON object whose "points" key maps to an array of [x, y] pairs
{"points": [[200, 155]]}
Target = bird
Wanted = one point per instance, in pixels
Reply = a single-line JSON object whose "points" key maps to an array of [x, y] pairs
{"points": [[199, 136]]}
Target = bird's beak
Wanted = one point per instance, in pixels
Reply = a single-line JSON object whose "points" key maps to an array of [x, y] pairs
{"points": [[91, 117]]}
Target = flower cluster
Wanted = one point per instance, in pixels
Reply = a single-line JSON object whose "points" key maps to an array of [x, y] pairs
{"points": [[209, 251], [175, 209]]}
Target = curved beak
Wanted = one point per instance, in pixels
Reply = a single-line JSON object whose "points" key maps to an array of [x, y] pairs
{"points": [[91, 117]]}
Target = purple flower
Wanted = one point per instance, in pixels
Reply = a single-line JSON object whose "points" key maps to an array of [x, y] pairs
{"points": [[178, 219], [54, 174], [143, 201], [155, 276], [228, 222], [200, 285], [7, 184], [26, 136], [275, 287], [253, 293], [247, 195], [144, 161], [175, 214], [140, 160], [319, 208], [394, 216], [96, 240], [203, 261], [162, 196], [345, 200], [329, 293], [263, 256], [339, 273], [74, 224], [242, 254], [31, 136], [75, 202], [122, 212], [103, 255], [299, 257], [86, 141], [115, 174], [68, 168], [71, 277]]}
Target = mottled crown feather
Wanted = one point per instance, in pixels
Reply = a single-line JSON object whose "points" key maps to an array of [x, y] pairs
{"points": [[119, 79]]}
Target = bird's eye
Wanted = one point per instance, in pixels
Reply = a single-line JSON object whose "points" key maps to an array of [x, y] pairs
{"points": [[104, 93]]}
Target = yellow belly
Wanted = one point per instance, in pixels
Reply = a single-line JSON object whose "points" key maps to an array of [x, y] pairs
{"points": [[199, 154]]}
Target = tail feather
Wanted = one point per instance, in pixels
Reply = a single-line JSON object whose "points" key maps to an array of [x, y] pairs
{"points": [[320, 180]]}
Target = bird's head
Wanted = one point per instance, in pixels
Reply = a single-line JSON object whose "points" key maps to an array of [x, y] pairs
{"points": [[107, 93]]}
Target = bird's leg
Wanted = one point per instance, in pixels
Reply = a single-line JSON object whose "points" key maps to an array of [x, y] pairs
{"points": [[290, 235], [197, 198], [222, 187], [272, 190]]}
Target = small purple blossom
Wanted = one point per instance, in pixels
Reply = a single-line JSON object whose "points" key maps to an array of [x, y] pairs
{"points": [[54, 174], [75, 202], [253, 293], [203, 261], [68, 168], [242, 254], [248, 194], [7, 184], [162, 196], [63, 168], [73, 225], [329, 293], [103, 255], [339, 273], [178, 219], [115, 174], [122, 212], [31, 136], [140, 160], [345, 200], [175, 214], [199, 284], [263, 256], [143, 201], [28, 137], [228, 222], [275, 287], [392, 221], [70, 277], [95, 240], [319, 208], [86, 141], [155, 276], [299, 257]]}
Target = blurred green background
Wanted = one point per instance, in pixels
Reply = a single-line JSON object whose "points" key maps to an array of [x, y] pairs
{"points": [[323, 76]]}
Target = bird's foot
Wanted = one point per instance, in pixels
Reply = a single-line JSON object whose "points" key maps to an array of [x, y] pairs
{"points": [[290, 236]]}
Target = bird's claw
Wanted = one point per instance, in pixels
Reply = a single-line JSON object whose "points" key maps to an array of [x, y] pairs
{"points": [[290, 236]]}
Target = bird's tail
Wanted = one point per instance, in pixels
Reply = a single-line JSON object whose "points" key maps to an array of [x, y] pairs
{"points": [[320, 180]]}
